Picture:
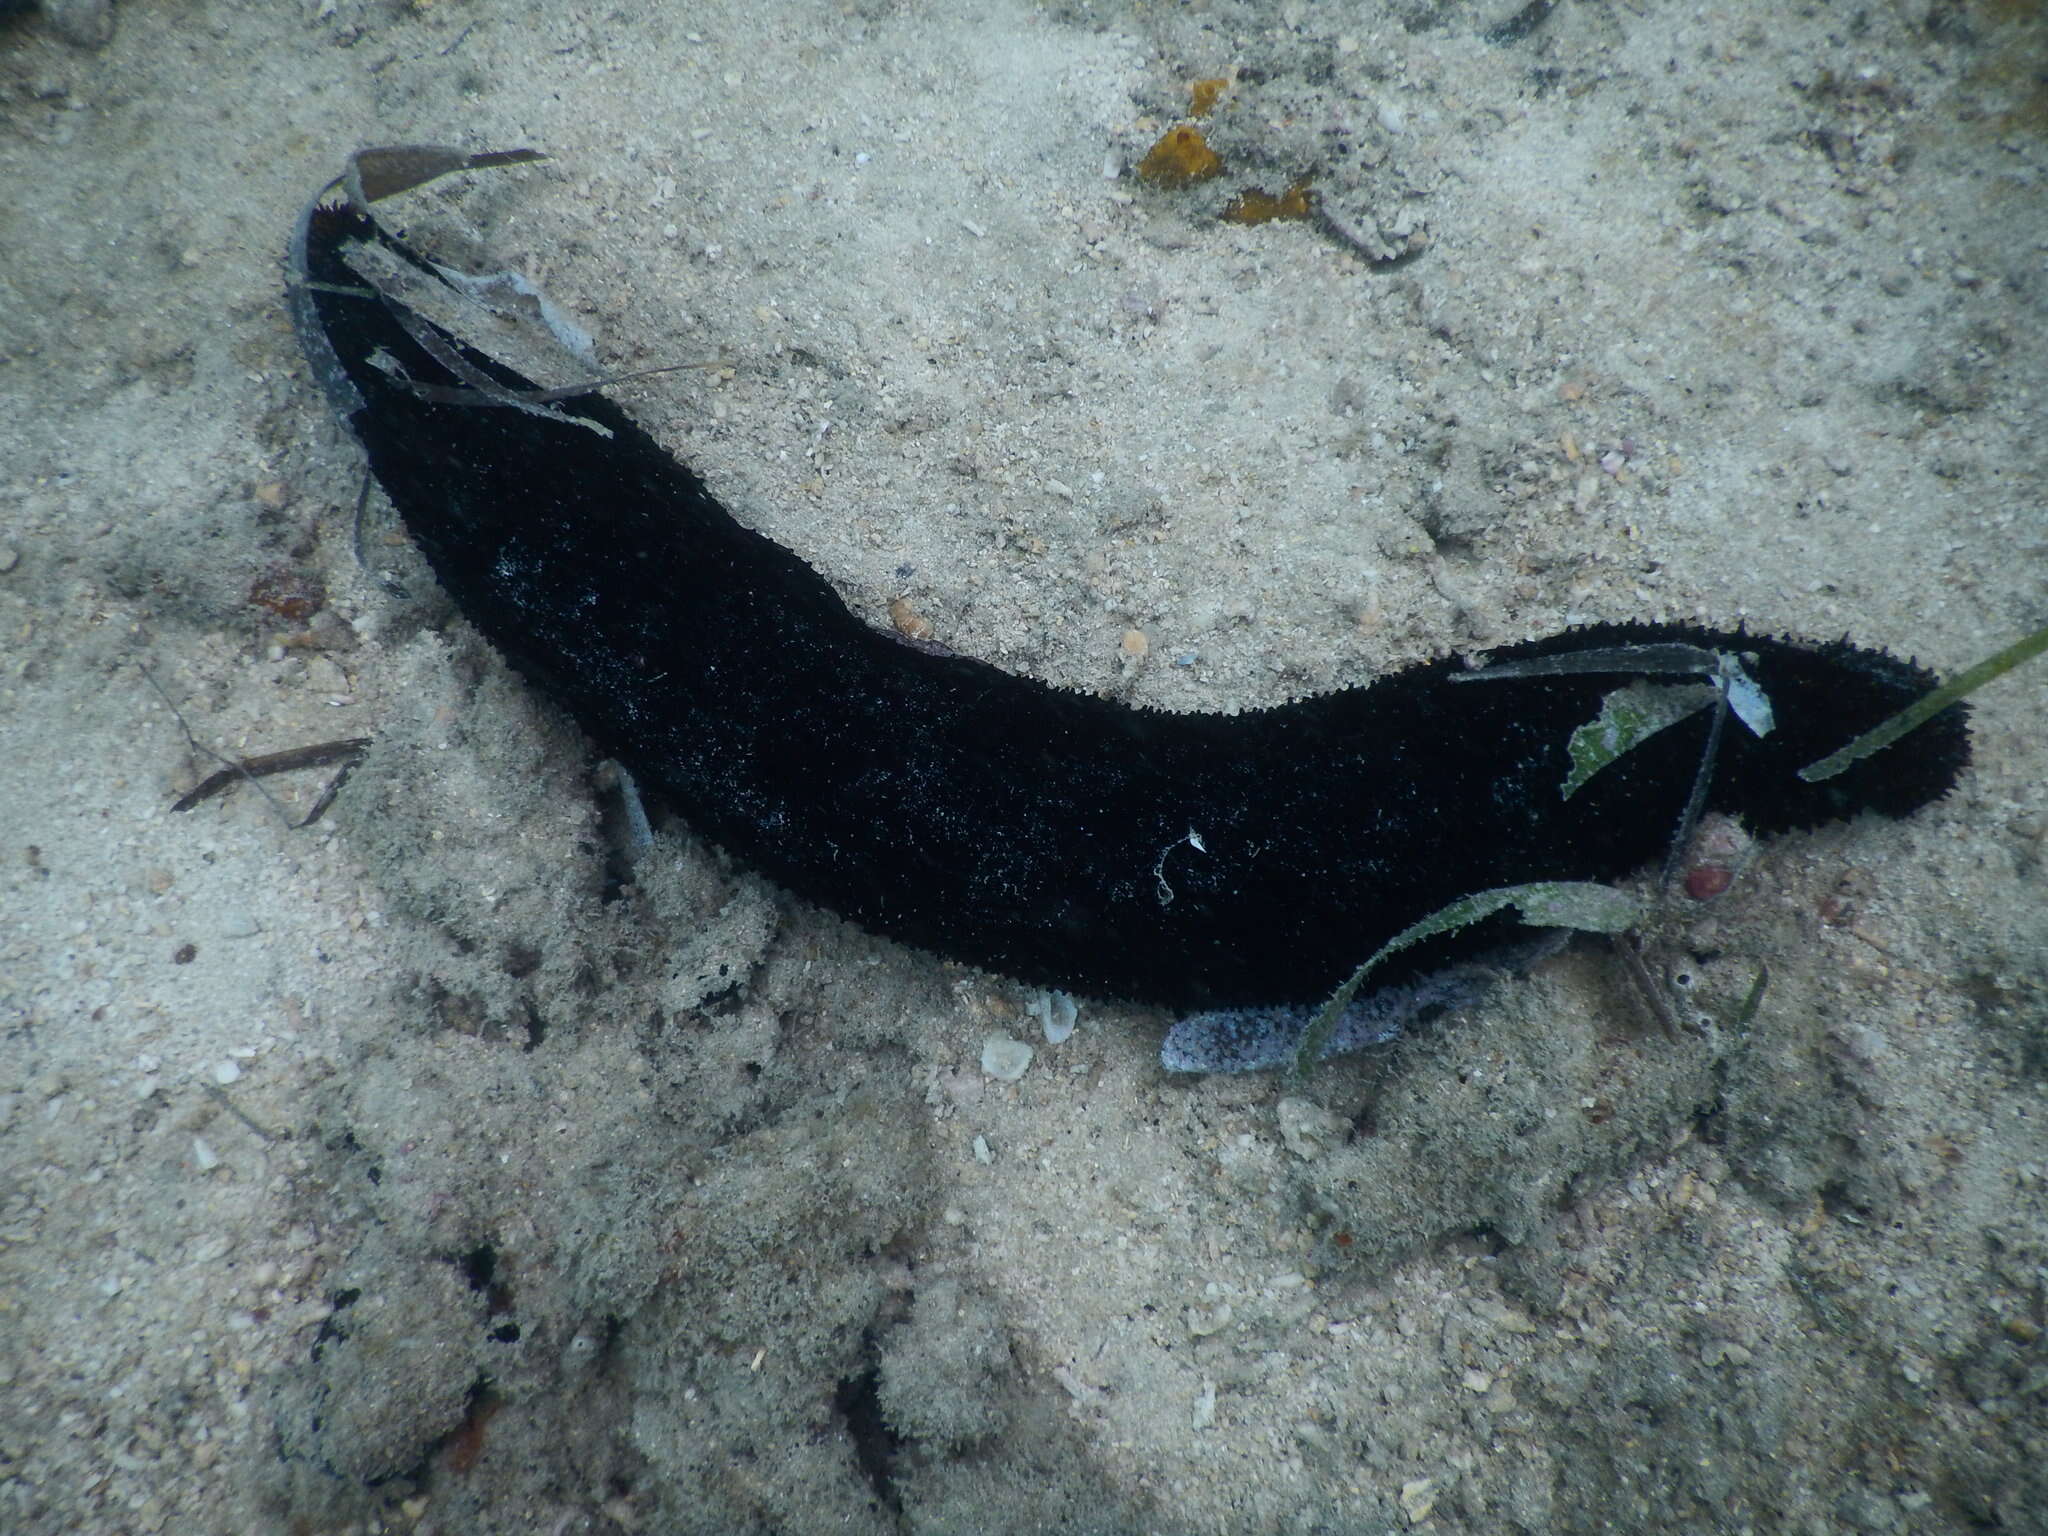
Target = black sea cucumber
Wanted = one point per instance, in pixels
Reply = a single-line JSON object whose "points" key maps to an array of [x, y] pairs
{"points": [[1184, 860]]}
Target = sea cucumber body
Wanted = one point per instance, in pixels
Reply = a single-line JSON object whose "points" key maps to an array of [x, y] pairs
{"points": [[1187, 860]]}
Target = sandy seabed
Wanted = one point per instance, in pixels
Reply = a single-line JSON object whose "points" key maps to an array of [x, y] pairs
{"points": [[420, 1171]]}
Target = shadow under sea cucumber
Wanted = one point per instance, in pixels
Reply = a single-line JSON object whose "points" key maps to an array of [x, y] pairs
{"points": [[1191, 861]]}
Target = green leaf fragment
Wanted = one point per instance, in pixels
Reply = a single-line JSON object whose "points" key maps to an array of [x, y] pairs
{"points": [[1924, 709], [1584, 905], [1629, 717], [1752, 1000], [1643, 660]]}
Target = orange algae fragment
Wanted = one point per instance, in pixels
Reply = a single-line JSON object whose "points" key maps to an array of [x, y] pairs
{"points": [[1252, 206], [1202, 96], [1180, 158]]}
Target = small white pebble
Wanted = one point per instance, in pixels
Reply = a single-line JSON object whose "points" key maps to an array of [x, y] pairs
{"points": [[225, 1072], [204, 1158], [982, 1154], [238, 925], [1005, 1059], [1056, 1013]]}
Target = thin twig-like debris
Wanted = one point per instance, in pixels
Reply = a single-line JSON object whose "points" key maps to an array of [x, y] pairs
{"points": [[348, 750]]}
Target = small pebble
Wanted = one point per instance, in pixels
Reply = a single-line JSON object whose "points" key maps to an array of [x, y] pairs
{"points": [[908, 621], [204, 1158], [1418, 1498], [982, 1154], [1057, 1014], [1308, 1129], [10, 557], [1202, 1322], [324, 677], [238, 925], [1005, 1059], [225, 1072]]}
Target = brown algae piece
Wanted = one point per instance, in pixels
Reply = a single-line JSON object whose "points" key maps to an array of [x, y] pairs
{"points": [[1181, 158], [288, 592], [1254, 206]]}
